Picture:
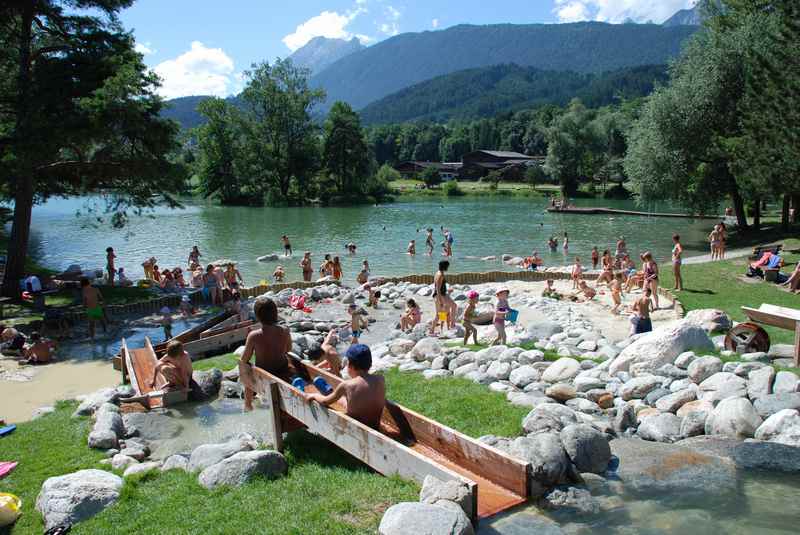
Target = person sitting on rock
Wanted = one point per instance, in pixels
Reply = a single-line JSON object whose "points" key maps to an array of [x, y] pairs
{"points": [[364, 394]]}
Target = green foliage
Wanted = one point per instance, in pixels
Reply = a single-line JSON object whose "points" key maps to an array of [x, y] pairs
{"points": [[534, 174], [451, 189], [219, 147], [489, 91], [346, 157], [570, 140], [79, 115], [494, 178], [431, 177], [387, 174]]}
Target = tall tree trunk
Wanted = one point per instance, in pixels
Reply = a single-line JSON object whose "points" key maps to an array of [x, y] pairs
{"points": [[23, 179], [796, 206], [757, 214], [785, 212], [738, 208]]}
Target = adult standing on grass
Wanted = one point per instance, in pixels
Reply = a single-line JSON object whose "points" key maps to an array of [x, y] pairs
{"points": [[677, 260], [651, 276], [714, 239]]}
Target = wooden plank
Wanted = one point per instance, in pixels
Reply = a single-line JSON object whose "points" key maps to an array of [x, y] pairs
{"points": [[792, 313], [797, 345], [224, 324], [193, 333], [273, 399], [219, 329], [767, 318], [200, 347], [378, 451]]}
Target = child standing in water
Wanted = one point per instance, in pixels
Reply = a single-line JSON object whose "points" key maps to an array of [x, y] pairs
{"points": [[500, 311], [566, 242], [278, 274], [166, 322], [412, 247], [469, 315], [577, 273], [110, 267], [92, 300], [287, 246], [595, 257], [357, 323], [337, 268], [429, 241], [305, 265]]}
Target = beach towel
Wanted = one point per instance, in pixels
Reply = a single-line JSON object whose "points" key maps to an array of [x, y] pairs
{"points": [[6, 467], [297, 302]]}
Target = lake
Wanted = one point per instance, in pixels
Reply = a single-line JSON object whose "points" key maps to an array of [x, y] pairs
{"points": [[482, 226]]}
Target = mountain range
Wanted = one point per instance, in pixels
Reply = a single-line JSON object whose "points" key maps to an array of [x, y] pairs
{"points": [[686, 17], [364, 76]]}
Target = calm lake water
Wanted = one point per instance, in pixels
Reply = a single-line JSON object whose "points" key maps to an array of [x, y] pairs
{"points": [[481, 227]]}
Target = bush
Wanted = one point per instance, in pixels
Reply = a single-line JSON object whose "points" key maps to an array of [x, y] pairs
{"points": [[387, 173], [617, 192], [431, 177], [451, 189]]}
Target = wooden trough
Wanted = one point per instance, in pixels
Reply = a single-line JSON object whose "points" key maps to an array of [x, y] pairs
{"points": [[407, 444], [766, 314], [141, 364]]}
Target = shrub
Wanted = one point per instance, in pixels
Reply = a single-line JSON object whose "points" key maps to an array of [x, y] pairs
{"points": [[451, 189]]}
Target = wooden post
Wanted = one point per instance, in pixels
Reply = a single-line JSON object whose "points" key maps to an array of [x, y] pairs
{"points": [[272, 398], [797, 344]]}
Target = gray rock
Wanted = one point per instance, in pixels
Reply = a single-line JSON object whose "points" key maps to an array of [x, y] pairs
{"points": [[93, 401], [121, 462], [703, 368], [209, 454], [232, 374], [758, 356], [671, 370], [544, 329], [584, 405], [524, 375], [786, 383], [231, 389], [205, 385], [141, 469], [423, 519], [175, 462], [673, 402], [434, 490], [530, 356], [72, 498], [486, 356], [499, 370], [586, 447], [759, 382], [549, 417], [782, 427], [465, 369], [426, 349], [570, 500], [660, 347], [510, 355], [242, 467], [585, 383], [107, 429], [525, 399], [684, 359], [772, 403], [745, 368], [639, 387], [712, 320], [440, 363], [769, 456], [693, 424], [436, 374], [152, 425], [652, 398], [685, 474], [135, 451], [561, 392], [733, 417], [549, 461], [663, 427], [561, 370], [725, 384]]}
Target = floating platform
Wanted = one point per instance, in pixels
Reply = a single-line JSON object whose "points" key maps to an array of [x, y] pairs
{"points": [[614, 211], [407, 443]]}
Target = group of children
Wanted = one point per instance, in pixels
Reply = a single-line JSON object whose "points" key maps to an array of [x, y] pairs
{"points": [[34, 349]]}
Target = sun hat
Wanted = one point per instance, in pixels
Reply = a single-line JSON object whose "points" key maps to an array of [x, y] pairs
{"points": [[501, 290]]}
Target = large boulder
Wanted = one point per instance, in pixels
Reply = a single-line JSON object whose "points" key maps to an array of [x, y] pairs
{"points": [[434, 490], [548, 459], [662, 427], [723, 385], [426, 349], [782, 427], [704, 367], [72, 498], [786, 383], [205, 384], [549, 417], [569, 501], [93, 401], [242, 467], [108, 428], [586, 447], [561, 370], [489, 354], [141, 469], [499, 370], [424, 519], [684, 474], [759, 382], [733, 417], [772, 403], [676, 400], [524, 375], [770, 456], [210, 454], [660, 347], [710, 319]]}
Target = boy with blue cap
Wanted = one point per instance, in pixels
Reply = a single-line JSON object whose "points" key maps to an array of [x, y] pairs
{"points": [[364, 393]]}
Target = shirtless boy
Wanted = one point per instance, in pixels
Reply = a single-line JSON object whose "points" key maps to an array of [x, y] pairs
{"points": [[616, 295], [278, 274], [429, 241], [174, 370], [357, 323], [110, 267], [40, 350], [270, 344], [92, 300], [642, 307], [287, 246], [364, 394]]}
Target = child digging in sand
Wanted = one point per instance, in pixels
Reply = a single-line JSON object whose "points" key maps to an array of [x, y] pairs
{"points": [[500, 311], [411, 317], [364, 393], [550, 291], [469, 315]]}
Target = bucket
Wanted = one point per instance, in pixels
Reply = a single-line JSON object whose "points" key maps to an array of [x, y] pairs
{"points": [[512, 315]]}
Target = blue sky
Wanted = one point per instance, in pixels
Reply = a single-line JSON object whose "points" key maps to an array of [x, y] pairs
{"points": [[202, 46]]}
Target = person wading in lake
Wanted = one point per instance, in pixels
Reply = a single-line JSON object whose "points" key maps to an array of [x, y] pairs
{"points": [[287, 246], [677, 260], [444, 303], [270, 344], [429, 241], [305, 265]]}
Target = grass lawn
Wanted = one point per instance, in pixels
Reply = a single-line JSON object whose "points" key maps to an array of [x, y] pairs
{"points": [[326, 491], [720, 285], [412, 188]]}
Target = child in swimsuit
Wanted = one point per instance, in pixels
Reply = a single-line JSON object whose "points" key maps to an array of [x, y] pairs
{"points": [[92, 300], [616, 295], [287, 247], [278, 274], [40, 350], [595, 257], [469, 315], [411, 317], [357, 323], [500, 311], [577, 271], [166, 322], [110, 256], [588, 292]]}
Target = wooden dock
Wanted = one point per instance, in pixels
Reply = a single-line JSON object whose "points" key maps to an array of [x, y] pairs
{"points": [[614, 211], [407, 444]]}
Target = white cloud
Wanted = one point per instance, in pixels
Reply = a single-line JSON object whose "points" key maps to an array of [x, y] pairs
{"points": [[200, 71], [435, 23], [392, 24], [144, 48], [329, 24], [616, 11]]}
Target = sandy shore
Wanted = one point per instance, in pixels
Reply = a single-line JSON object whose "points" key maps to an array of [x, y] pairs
{"points": [[48, 384]]}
